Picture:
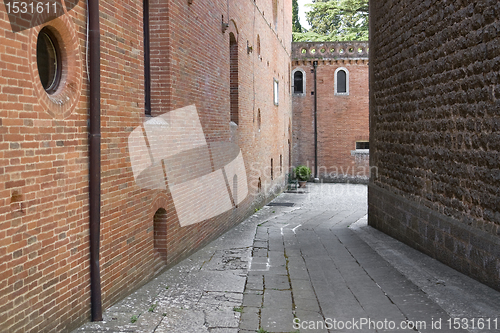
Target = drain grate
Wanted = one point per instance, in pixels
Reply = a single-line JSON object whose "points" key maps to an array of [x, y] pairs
{"points": [[281, 204]]}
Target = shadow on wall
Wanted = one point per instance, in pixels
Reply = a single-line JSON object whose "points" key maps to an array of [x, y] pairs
{"points": [[170, 151]]}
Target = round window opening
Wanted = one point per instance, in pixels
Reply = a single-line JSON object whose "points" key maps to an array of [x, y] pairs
{"points": [[48, 57]]}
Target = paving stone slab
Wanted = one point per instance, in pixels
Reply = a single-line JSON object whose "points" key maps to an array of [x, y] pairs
{"points": [[310, 321], [278, 299], [277, 282], [305, 303], [223, 330], [330, 267], [222, 319], [277, 319], [250, 319], [253, 300]]}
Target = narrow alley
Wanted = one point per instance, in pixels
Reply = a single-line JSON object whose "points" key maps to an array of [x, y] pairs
{"points": [[307, 262]]}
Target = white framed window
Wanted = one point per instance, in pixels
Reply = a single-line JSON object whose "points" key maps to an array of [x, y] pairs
{"points": [[341, 81], [361, 148], [276, 92], [299, 82]]}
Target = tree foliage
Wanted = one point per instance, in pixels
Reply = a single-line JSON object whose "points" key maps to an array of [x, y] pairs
{"points": [[296, 26], [336, 20]]}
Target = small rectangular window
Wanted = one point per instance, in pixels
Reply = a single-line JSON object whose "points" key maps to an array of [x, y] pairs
{"points": [[276, 92], [362, 145]]}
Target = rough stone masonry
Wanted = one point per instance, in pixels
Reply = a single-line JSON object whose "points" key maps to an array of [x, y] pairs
{"points": [[434, 130]]}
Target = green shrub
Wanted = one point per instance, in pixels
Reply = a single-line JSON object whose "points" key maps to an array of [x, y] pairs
{"points": [[302, 173]]}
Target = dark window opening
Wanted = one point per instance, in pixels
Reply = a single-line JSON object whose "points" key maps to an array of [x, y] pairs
{"points": [[341, 82], [48, 57], [272, 170], [233, 79], [362, 145], [258, 119], [258, 45], [276, 92], [298, 82]]}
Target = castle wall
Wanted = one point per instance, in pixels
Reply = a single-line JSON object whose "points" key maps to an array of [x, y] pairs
{"points": [[44, 231], [342, 118], [434, 130]]}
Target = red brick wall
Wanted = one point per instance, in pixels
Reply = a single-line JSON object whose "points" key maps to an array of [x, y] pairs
{"points": [[342, 120], [44, 258]]}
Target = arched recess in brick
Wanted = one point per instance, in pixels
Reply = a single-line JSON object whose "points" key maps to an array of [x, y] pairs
{"points": [[160, 233]]}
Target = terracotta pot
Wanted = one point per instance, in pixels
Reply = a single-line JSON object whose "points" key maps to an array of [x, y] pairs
{"points": [[302, 183]]}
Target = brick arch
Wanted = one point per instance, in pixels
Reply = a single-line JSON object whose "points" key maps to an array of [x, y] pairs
{"points": [[63, 101], [233, 28], [160, 221], [161, 201]]}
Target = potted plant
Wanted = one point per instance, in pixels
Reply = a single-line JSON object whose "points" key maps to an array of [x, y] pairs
{"points": [[302, 173]]}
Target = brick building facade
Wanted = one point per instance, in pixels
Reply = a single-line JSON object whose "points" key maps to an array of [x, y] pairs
{"points": [[434, 130], [219, 95], [341, 109]]}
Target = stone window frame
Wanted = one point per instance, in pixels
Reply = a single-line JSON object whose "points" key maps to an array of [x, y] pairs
{"points": [[358, 151], [304, 85], [346, 81]]}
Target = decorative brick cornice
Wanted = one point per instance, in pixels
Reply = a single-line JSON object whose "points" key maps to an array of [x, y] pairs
{"points": [[329, 50]]}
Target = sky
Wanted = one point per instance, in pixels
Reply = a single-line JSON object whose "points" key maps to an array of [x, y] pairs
{"points": [[302, 13]]}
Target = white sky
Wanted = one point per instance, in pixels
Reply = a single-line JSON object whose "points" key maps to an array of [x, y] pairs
{"points": [[302, 13]]}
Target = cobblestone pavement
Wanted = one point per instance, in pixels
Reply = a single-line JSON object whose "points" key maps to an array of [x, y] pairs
{"points": [[309, 263]]}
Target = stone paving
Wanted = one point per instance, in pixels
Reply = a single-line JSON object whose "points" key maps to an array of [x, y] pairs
{"points": [[312, 267]]}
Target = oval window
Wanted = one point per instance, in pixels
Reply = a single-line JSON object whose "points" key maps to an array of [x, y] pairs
{"points": [[48, 58]]}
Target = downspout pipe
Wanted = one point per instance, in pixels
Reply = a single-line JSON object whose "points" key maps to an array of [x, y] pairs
{"points": [[94, 158], [315, 65], [147, 59]]}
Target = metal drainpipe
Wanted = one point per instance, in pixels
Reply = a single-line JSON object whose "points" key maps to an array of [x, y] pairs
{"points": [[147, 59], [315, 65], [94, 158]]}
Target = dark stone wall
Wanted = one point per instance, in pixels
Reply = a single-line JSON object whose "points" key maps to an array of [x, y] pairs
{"points": [[435, 129]]}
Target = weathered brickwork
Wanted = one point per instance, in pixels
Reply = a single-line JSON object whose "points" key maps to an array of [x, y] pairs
{"points": [[342, 119], [44, 229], [434, 134]]}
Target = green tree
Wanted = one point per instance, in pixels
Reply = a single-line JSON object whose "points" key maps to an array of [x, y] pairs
{"points": [[296, 26], [336, 20]]}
